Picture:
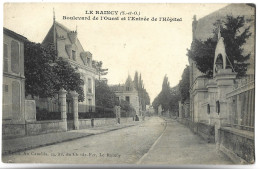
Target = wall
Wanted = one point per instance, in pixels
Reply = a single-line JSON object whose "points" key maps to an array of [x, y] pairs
{"points": [[206, 131], [13, 130], [13, 122], [30, 110], [43, 127], [86, 123], [237, 145]]}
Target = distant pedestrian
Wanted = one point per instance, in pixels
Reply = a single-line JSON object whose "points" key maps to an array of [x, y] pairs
{"points": [[136, 118]]}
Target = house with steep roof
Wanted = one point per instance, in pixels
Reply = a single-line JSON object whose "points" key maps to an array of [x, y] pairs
{"points": [[70, 49], [127, 92]]}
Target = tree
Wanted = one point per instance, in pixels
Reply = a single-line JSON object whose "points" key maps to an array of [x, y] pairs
{"points": [[105, 97], [100, 71], [164, 96], [235, 34], [174, 99], [125, 105], [68, 78], [40, 80], [156, 103], [45, 74], [184, 84], [136, 80]]}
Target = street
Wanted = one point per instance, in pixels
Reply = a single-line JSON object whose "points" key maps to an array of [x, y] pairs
{"points": [[155, 141]]}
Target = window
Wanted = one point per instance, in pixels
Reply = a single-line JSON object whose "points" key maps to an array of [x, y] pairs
{"points": [[90, 102], [73, 54], [89, 86], [16, 97], [208, 109], [117, 99], [127, 88], [6, 88], [88, 61], [15, 57], [5, 58], [217, 107], [90, 105], [127, 98]]}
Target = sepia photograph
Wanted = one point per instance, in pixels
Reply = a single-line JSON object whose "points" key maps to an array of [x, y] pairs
{"points": [[135, 84]]}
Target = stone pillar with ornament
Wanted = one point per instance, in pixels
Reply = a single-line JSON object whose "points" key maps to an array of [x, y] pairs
{"points": [[224, 78], [62, 102], [75, 97]]}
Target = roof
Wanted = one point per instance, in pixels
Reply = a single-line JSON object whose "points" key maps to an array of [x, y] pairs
{"points": [[60, 32], [15, 35]]}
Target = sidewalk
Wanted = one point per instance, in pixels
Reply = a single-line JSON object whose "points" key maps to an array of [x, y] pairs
{"points": [[178, 145], [29, 142]]}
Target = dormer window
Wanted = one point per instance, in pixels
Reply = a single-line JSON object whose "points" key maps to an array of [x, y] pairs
{"points": [[88, 61], [73, 54]]}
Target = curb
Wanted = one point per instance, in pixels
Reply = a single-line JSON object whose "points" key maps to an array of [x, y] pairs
{"points": [[8, 152]]}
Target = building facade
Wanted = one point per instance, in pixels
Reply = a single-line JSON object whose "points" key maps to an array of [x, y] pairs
{"points": [[222, 108], [13, 115], [70, 49], [129, 93], [203, 29]]}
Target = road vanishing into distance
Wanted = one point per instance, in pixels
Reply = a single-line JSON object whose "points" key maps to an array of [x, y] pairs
{"points": [[154, 141]]}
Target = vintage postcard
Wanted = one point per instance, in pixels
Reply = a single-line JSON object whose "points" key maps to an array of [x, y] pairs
{"points": [[130, 83]]}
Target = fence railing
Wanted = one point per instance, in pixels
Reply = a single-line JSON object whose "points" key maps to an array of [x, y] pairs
{"points": [[241, 106], [87, 112], [44, 114]]}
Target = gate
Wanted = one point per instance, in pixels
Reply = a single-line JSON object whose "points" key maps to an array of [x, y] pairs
{"points": [[70, 125]]}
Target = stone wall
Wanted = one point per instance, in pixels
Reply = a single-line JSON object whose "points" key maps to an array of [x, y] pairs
{"points": [[237, 145], [206, 131], [43, 127], [30, 110], [52, 126], [104, 122], [86, 123], [13, 130]]}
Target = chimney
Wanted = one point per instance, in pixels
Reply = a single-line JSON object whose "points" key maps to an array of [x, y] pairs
{"points": [[72, 36]]}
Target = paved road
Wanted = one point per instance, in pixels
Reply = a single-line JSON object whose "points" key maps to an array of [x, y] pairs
{"points": [[178, 145], [124, 146], [152, 142]]}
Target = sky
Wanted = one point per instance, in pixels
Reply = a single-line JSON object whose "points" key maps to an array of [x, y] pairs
{"points": [[153, 48]]}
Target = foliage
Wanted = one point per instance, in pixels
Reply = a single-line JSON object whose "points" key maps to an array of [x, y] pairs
{"points": [[45, 74], [100, 71], [126, 106], [184, 84], [142, 93], [235, 34], [68, 78], [164, 96], [175, 97], [136, 80], [40, 80], [105, 97]]}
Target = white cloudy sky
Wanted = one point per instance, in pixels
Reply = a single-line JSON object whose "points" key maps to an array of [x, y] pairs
{"points": [[152, 48]]}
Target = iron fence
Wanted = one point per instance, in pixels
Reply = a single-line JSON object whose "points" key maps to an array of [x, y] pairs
{"points": [[44, 114], [90, 112]]}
